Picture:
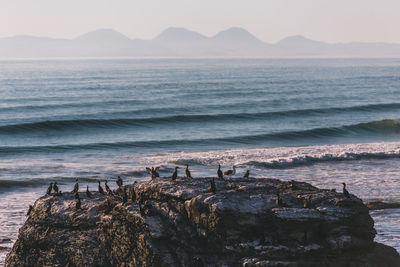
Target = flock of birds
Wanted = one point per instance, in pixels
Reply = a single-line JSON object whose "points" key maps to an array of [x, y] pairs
{"points": [[154, 174]]}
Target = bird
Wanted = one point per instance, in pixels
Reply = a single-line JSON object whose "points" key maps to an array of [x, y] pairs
{"points": [[55, 187], [119, 181], [175, 174], [345, 192], [48, 191], [101, 191], [124, 196], [78, 203], [247, 174], [307, 202], [88, 194], [212, 188], [133, 198], [219, 172], [76, 186], [230, 172], [279, 201], [153, 172], [29, 210], [188, 174], [108, 190]]}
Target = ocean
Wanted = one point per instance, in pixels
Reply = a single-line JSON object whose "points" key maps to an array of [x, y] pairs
{"points": [[322, 121]]}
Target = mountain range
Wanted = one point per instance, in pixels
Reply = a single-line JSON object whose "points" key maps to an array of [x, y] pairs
{"points": [[180, 42]]}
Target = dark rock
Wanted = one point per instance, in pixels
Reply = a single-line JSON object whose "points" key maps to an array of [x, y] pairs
{"points": [[180, 223], [379, 205]]}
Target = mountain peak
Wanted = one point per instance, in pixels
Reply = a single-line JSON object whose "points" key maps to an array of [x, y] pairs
{"points": [[236, 34], [105, 35], [175, 34]]}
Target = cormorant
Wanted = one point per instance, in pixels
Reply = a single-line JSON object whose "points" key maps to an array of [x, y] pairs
{"points": [[119, 181], [279, 201], [124, 196], [88, 194], [29, 210], [48, 191], [345, 192], [175, 174], [133, 195], [213, 188], [55, 187], [76, 186], [247, 174], [230, 172], [101, 191], [307, 202], [78, 203], [108, 190], [153, 172], [188, 174], [219, 172]]}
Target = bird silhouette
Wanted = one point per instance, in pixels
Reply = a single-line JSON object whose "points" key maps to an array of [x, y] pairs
{"points": [[88, 194], [101, 191], [219, 172]]}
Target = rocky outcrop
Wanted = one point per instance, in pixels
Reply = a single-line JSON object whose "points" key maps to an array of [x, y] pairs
{"points": [[380, 205], [182, 223]]}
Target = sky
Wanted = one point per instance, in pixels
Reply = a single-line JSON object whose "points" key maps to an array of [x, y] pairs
{"points": [[270, 20]]}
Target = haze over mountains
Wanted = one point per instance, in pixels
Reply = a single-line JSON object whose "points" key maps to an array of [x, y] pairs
{"points": [[180, 42]]}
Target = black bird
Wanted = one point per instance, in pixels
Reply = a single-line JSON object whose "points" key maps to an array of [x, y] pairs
{"points": [[213, 187], [307, 202], [76, 186], [88, 194], [279, 201], [124, 196], [108, 190], [48, 191], [119, 181], [101, 191], [175, 174], [345, 192], [29, 210], [219, 172], [78, 203], [188, 175], [153, 172], [55, 187], [133, 195], [230, 172], [247, 174]]}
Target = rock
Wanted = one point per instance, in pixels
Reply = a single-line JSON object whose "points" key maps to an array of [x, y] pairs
{"points": [[181, 223], [379, 205]]}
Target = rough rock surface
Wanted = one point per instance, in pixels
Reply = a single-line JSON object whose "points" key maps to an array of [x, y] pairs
{"points": [[379, 205], [181, 223]]}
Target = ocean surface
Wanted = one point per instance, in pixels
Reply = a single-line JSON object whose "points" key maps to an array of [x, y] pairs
{"points": [[323, 121]]}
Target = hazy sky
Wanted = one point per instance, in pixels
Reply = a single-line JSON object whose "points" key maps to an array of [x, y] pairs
{"points": [[270, 20]]}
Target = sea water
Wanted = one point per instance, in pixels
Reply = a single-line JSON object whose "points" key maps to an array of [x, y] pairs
{"points": [[322, 121]]}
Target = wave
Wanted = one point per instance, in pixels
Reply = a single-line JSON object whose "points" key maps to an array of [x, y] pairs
{"points": [[281, 157], [382, 127], [84, 124]]}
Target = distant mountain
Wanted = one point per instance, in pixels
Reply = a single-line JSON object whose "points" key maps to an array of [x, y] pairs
{"points": [[180, 42], [173, 34], [103, 35]]}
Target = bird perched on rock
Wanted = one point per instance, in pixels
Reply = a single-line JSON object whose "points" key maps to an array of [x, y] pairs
{"points": [[230, 172], [76, 186], [133, 198], [29, 210], [247, 174], [307, 202], [219, 172], [119, 181], [187, 172], [124, 196], [88, 194], [175, 173], [212, 187], [153, 172], [78, 204], [101, 191], [48, 191], [345, 192], [55, 187], [108, 190], [279, 201]]}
